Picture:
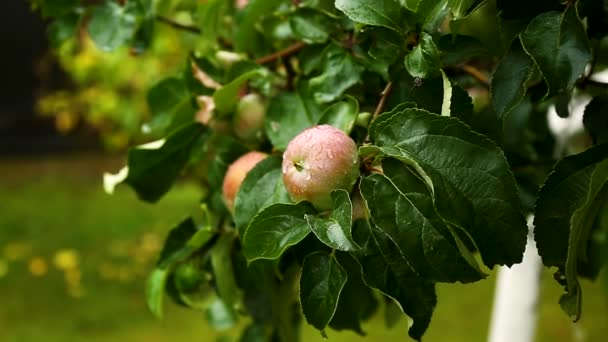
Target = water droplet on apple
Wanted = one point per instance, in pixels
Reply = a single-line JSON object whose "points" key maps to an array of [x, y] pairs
{"points": [[330, 154]]}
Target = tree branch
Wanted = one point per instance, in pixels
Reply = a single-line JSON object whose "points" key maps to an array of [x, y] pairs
{"points": [[179, 26], [383, 95], [476, 74], [281, 53]]}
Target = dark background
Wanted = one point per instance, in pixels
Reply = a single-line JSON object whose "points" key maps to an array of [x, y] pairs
{"points": [[27, 69]]}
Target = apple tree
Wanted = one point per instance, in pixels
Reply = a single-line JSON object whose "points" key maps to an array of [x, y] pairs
{"points": [[358, 152]]}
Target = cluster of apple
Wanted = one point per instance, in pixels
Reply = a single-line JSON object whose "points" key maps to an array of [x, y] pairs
{"points": [[318, 160]]}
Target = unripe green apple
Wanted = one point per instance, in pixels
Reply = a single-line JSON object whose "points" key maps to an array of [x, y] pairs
{"points": [[317, 161], [236, 174], [248, 120]]}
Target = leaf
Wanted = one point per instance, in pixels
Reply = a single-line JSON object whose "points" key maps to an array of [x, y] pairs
{"points": [[155, 290], [112, 25], [509, 82], [219, 315], [455, 48], [423, 60], [210, 17], [63, 28], [289, 114], [274, 229], [460, 166], [341, 114], [335, 231], [182, 241], [221, 262], [384, 118], [386, 13], [423, 92], [446, 104], [321, 283], [384, 268], [153, 171], [567, 206], [357, 301], [246, 35], [340, 72], [170, 105], [401, 206], [559, 46], [226, 97], [310, 26], [263, 186], [595, 119], [462, 8]]}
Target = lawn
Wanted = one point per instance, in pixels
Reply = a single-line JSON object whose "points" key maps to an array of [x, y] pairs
{"points": [[73, 263]]}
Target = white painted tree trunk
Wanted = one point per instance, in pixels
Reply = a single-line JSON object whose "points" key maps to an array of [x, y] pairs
{"points": [[516, 296]]}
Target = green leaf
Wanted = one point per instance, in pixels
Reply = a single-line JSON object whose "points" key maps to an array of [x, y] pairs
{"points": [[446, 103], [182, 241], [63, 28], [340, 72], [221, 262], [559, 46], [462, 8], [155, 290], [335, 231], [568, 204], [321, 283], [401, 206], [595, 119], [509, 82], [386, 13], [226, 97], [152, 171], [219, 151], [274, 229], [112, 25], [357, 301], [289, 114], [341, 114], [384, 118], [423, 60], [310, 26], [219, 315], [210, 17], [455, 48], [460, 166], [170, 105], [384, 268], [423, 92], [263, 186], [246, 39]]}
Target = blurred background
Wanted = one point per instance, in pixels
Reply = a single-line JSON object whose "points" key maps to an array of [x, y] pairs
{"points": [[73, 260]]}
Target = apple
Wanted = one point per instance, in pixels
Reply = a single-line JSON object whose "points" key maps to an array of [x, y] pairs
{"points": [[236, 174], [318, 160], [248, 120]]}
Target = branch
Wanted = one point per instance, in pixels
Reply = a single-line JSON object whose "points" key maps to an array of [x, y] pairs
{"points": [[476, 74], [281, 53], [383, 95], [179, 26]]}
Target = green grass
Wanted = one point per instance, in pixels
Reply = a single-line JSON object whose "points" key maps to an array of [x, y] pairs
{"points": [[109, 243]]}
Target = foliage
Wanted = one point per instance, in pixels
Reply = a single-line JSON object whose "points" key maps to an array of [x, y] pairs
{"points": [[450, 161]]}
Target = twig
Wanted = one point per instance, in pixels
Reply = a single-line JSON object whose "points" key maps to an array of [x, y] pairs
{"points": [[281, 53], [179, 26], [476, 74], [383, 95]]}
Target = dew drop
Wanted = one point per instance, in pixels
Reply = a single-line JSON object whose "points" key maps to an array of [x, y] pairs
{"points": [[330, 154], [308, 177]]}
